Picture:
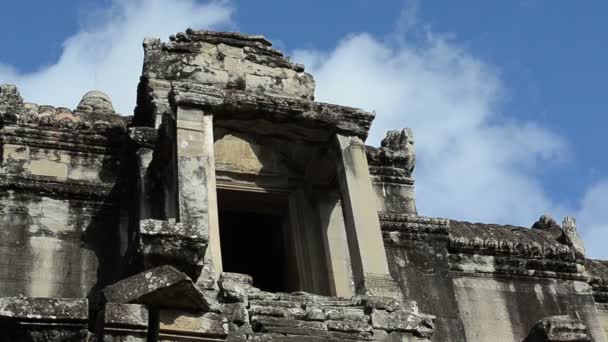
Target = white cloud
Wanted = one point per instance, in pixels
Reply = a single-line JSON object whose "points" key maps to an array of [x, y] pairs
{"points": [[472, 163], [106, 54], [593, 220]]}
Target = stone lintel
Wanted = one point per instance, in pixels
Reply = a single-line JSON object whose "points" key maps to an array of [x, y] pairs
{"points": [[242, 105]]}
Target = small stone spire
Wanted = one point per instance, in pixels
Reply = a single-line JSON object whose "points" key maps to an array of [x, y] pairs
{"points": [[548, 223], [10, 99], [570, 235], [95, 101], [400, 144]]}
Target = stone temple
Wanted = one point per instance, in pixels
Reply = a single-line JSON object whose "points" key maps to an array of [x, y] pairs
{"points": [[232, 207]]}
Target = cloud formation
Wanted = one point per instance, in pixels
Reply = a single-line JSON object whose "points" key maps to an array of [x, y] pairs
{"points": [[473, 163], [106, 54]]}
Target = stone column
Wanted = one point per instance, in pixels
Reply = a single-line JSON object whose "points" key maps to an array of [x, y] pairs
{"points": [[368, 257], [196, 176], [335, 244]]}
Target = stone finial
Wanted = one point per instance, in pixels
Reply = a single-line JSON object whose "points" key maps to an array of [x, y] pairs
{"points": [[559, 329], [10, 99], [95, 102], [401, 145], [548, 223], [570, 235]]}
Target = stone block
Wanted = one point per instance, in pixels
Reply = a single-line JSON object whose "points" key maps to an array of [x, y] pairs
{"points": [[44, 308], [126, 314], [180, 245], [48, 168], [190, 323], [160, 287], [559, 329]]}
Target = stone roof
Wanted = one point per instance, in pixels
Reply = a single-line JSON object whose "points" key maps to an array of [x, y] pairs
{"points": [[94, 112], [482, 238], [95, 101]]}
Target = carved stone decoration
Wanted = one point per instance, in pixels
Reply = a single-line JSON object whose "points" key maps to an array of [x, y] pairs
{"points": [[559, 329], [10, 100], [398, 148], [570, 236], [548, 223], [95, 102], [391, 167]]}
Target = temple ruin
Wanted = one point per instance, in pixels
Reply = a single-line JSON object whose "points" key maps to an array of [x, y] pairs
{"points": [[231, 207]]}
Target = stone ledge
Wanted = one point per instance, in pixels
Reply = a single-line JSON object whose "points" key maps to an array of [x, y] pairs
{"points": [[52, 309], [242, 105], [73, 141], [48, 186]]}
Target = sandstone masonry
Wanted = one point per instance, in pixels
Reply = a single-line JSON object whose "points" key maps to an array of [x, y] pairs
{"points": [[233, 207]]}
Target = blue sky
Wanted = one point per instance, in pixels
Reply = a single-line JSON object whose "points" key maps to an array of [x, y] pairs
{"points": [[507, 99]]}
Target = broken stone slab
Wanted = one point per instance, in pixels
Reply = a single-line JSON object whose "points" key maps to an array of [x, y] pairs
{"points": [[168, 243], [160, 287], [44, 308], [403, 321], [132, 315], [559, 329], [208, 323], [288, 326], [236, 287]]}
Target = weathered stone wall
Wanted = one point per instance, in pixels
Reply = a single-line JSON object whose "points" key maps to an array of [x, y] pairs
{"points": [[417, 252], [59, 205], [489, 282]]}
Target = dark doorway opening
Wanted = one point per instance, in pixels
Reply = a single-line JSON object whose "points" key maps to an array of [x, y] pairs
{"points": [[253, 239]]}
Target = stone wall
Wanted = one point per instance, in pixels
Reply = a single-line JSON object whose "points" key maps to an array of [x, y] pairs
{"points": [[59, 203], [491, 282]]}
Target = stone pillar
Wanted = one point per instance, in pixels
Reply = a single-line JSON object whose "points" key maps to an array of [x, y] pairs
{"points": [[335, 244], [368, 257], [197, 197]]}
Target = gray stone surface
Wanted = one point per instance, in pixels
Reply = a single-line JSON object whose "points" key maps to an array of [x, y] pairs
{"points": [[570, 236], [179, 245], [95, 102], [160, 287], [559, 329], [44, 308]]}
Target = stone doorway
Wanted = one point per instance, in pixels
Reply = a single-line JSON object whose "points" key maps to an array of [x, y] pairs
{"points": [[253, 237]]}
